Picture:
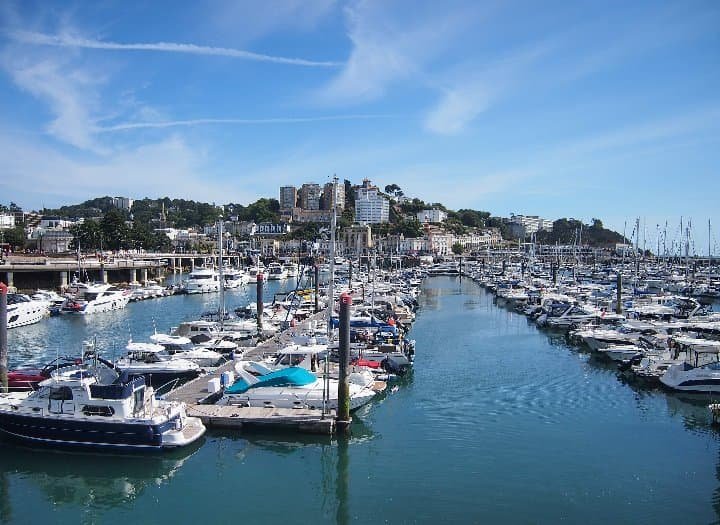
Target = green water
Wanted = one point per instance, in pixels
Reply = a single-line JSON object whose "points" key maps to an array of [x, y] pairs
{"points": [[499, 423]]}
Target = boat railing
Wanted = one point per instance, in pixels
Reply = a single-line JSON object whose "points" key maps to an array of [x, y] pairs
{"points": [[171, 385]]}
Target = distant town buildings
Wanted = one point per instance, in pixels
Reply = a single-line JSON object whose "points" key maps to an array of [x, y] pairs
{"points": [[123, 203], [371, 206], [434, 216], [304, 216], [523, 225], [7, 221]]}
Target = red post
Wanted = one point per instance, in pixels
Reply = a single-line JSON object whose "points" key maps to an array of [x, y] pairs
{"points": [[259, 301], [3, 338]]}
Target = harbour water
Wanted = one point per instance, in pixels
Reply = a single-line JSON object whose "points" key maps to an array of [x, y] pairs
{"points": [[498, 423]]}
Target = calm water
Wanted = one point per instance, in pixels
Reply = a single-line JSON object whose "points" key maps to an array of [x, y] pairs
{"points": [[499, 423]]}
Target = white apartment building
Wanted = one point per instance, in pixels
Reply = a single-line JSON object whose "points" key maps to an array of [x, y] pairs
{"points": [[433, 216], [371, 207], [123, 203], [7, 221], [524, 225]]}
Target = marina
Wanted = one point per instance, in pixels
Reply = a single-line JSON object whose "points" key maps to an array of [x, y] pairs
{"points": [[484, 393]]}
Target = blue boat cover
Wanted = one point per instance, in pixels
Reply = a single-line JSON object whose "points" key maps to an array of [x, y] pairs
{"points": [[291, 376]]}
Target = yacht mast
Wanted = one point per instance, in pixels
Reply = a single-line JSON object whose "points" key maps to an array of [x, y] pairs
{"points": [[331, 284], [220, 271]]}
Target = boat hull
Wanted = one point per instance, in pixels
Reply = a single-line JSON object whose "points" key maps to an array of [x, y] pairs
{"points": [[62, 431]]}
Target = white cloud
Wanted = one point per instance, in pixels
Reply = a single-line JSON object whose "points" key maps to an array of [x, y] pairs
{"points": [[391, 42], [73, 41], [169, 167], [246, 20], [456, 109], [69, 92]]}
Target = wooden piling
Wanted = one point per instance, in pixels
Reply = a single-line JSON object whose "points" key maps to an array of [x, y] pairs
{"points": [[343, 413]]}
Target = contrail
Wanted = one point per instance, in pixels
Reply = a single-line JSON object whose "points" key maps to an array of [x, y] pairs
{"points": [[195, 122], [167, 47]]}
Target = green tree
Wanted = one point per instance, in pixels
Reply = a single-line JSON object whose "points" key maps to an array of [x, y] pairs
{"points": [[457, 248], [115, 233], [88, 235]]}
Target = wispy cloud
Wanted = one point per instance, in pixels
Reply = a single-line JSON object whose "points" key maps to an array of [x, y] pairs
{"points": [[71, 41], [70, 92], [239, 121], [456, 109], [244, 21], [141, 171], [390, 43]]}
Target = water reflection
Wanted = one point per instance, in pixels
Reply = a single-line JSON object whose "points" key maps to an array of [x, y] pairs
{"points": [[83, 479]]}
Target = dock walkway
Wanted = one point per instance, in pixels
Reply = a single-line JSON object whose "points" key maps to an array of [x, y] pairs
{"points": [[198, 400]]}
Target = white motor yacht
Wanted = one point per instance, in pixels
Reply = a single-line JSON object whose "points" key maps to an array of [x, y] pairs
{"points": [[84, 409], [152, 362], [234, 278], [700, 371], [203, 280], [291, 269], [294, 387], [276, 272], [179, 347], [95, 298], [22, 311]]}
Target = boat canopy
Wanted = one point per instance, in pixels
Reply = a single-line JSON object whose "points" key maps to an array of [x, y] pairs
{"points": [[291, 376]]}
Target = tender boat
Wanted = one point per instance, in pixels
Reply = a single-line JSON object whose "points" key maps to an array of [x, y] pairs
{"points": [[87, 408]]}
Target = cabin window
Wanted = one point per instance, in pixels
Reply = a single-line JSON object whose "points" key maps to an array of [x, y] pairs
{"points": [[104, 411], [62, 393]]}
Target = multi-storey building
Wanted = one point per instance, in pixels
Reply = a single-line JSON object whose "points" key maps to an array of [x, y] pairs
{"points": [[432, 215], [371, 206], [310, 196], [123, 203], [288, 197], [523, 225], [339, 197]]}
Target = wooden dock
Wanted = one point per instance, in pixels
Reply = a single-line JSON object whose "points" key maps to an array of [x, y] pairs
{"points": [[290, 419], [200, 402]]}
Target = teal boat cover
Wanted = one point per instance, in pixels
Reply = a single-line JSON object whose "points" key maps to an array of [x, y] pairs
{"points": [[291, 376]]}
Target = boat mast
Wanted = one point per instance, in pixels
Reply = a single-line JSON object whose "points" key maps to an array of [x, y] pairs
{"points": [[220, 271], [331, 284]]}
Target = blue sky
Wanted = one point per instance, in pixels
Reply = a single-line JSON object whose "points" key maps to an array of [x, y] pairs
{"points": [[580, 109]]}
